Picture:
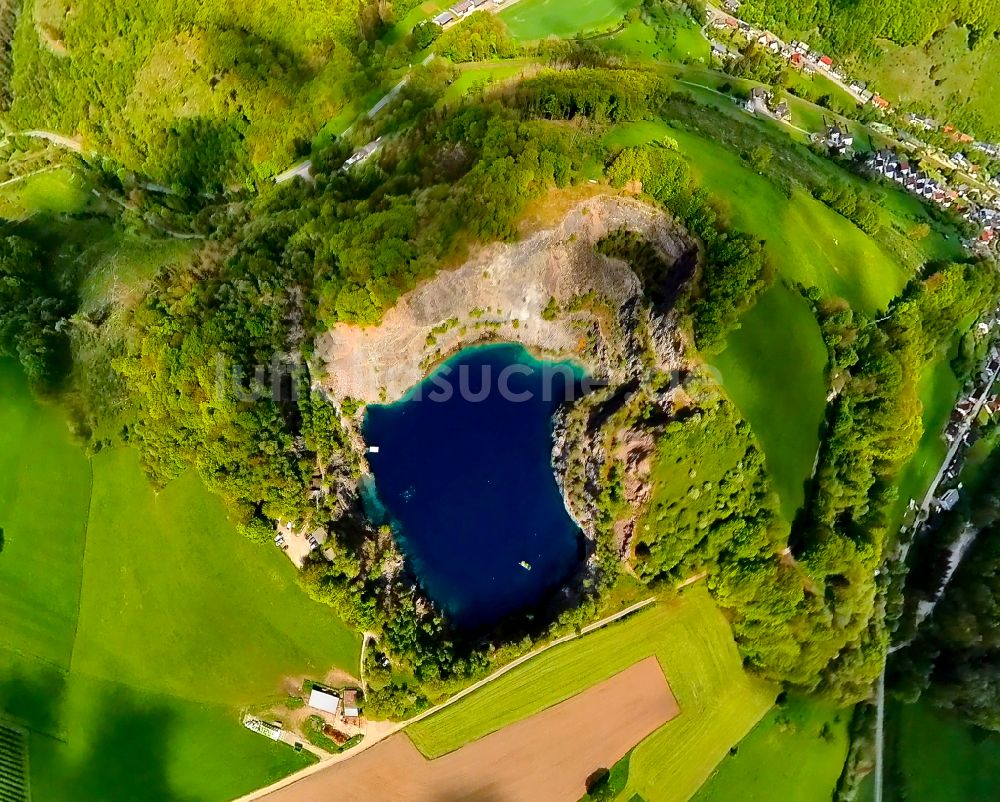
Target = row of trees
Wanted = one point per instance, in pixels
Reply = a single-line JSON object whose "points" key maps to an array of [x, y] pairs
{"points": [[874, 426]]}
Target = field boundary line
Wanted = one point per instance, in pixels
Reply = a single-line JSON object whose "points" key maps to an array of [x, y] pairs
{"points": [[47, 169], [83, 565], [325, 763], [520, 661]]}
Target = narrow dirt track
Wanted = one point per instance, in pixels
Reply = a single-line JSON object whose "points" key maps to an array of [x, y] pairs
{"points": [[544, 758]]}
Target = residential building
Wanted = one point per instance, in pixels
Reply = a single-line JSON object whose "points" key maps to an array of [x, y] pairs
{"points": [[720, 51], [837, 140], [757, 102], [351, 707], [949, 500]]}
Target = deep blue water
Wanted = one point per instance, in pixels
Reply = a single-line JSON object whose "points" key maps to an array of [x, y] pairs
{"points": [[467, 482]]}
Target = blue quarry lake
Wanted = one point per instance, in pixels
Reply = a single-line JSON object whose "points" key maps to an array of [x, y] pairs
{"points": [[464, 475]]}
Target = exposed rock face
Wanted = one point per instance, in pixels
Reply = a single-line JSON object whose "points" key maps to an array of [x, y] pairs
{"points": [[556, 295], [502, 293]]}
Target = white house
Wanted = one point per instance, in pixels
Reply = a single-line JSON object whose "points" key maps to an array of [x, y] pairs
{"points": [[324, 700]]}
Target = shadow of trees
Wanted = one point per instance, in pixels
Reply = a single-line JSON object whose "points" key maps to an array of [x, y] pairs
{"points": [[124, 756]]}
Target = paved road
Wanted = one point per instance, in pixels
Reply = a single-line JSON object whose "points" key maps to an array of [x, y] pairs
{"points": [[302, 170], [902, 555], [969, 421], [879, 735], [714, 11], [58, 139]]}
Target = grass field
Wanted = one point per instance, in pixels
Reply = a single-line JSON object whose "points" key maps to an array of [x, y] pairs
{"points": [[528, 20], [719, 702], [805, 240], [944, 74], [482, 74], [773, 368], [795, 754], [773, 364], [120, 268], [59, 191], [902, 211], [938, 391], [135, 625], [673, 37], [934, 757]]}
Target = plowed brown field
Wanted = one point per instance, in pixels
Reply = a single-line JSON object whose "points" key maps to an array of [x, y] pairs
{"points": [[544, 758]]}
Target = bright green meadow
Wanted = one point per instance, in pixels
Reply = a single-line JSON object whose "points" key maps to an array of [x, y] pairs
{"points": [[538, 19], [136, 625], [773, 364], [691, 639], [934, 757], [799, 748]]}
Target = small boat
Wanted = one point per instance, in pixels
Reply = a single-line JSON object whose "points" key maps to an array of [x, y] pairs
{"points": [[525, 565], [373, 449]]}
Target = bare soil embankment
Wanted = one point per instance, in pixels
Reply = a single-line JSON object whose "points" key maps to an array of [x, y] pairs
{"points": [[500, 294], [544, 758]]}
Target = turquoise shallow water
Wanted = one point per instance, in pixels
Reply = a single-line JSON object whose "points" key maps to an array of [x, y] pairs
{"points": [[464, 475]]}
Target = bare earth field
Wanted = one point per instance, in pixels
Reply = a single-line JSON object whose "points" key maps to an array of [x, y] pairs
{"points": [[498, 294], [544, 758]]}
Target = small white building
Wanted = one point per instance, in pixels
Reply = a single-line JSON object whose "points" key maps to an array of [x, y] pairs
{"points": [[324, 700], [949, 500]]}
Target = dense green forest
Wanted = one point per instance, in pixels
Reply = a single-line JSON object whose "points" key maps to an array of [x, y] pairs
{"points": [[197, 95], [34, 307], [851, 26]]}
